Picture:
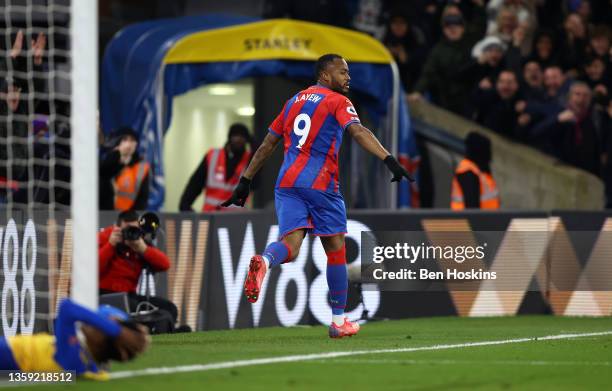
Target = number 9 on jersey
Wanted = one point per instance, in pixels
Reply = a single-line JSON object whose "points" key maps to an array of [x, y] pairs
{"points": [[303, 130]]}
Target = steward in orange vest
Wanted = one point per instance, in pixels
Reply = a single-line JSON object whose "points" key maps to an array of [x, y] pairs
{"points": [[219, 173], [128, 185], [473, 185], [124, 176]]}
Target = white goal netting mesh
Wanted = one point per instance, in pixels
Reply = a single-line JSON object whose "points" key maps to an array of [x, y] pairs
{"points": [[35, 162]]}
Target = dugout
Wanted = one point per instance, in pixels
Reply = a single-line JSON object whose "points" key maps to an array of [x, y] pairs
{"points": [[148, 65]]}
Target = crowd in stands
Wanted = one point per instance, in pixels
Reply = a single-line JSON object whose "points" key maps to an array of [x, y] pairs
{"points": [[34, 120], [535, 71]]}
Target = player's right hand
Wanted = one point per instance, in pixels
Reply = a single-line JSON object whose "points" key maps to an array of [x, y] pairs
{"points": [[240, 194]]}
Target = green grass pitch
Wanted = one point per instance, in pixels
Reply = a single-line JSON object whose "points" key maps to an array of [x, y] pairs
{"points": [[583, 363]]}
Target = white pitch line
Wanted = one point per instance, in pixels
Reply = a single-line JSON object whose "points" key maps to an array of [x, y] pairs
{"points": [[318, 356], [466, 362]]}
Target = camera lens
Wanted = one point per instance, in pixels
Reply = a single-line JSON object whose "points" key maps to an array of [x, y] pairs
{"points": [[131, 233]]}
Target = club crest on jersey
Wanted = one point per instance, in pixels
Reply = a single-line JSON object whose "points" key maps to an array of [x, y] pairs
{"points": [[309, 97]]}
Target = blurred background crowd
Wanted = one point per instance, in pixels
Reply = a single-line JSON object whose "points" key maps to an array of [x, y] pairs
{"points": [[537, 72], [534, 71]]}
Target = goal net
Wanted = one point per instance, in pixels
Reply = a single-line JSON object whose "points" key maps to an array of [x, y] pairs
{"points": [[48, 159]]}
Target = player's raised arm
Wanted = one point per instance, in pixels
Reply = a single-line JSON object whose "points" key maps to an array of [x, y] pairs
{"points": [[370, 143], [241, 192]]}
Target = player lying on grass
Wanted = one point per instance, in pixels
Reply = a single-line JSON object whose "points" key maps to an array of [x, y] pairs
{"points": [[307, 196], [85, 348]]}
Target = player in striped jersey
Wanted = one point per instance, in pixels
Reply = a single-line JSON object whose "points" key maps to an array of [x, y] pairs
{"points": [[307, 198]]}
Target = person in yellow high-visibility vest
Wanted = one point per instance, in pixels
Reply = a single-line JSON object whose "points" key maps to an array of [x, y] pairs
{"points": [[473, 184]]}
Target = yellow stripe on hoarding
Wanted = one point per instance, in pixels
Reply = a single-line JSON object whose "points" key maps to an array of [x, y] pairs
{"points": [[276, 39]]}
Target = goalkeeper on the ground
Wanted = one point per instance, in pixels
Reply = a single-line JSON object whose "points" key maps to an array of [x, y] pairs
{"points": [[102, 336]]}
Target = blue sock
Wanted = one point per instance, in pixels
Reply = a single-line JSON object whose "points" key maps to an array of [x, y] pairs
{"points": [[277, 253], [337, 280]]}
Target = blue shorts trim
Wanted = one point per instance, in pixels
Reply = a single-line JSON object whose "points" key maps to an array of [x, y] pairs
{"points": [[320, 213]]}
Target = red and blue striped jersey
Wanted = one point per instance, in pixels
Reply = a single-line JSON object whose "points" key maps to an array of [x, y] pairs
{"points": [[312, 123]]}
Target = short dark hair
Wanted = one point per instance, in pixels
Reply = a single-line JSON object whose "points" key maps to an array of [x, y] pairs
{"points": [[323, 62], [128, 216], [510, 71], [238, 129]]}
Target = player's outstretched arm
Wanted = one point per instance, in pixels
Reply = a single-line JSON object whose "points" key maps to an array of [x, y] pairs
{"points": [[241, 192], [370, 143]]}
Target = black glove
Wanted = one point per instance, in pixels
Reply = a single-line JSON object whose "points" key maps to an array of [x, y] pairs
{"points": [[398, 171], [240, 194]]}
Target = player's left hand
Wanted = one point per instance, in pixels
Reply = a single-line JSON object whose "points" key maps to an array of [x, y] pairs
{"points": [[398, 171], [240, 194]]}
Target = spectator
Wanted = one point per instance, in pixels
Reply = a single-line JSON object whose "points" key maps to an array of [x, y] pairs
{"points": [[585, 12], [473, 185], [219, 172], [572, 44], [124, 176], [444, 73], [596, 77], [544, 50], [407, 45], [421, 14], [533, 81], [524, 10], [17, 101], [45, 148], [496, 108], [556, 86], [507, 18], [599, 44], [493, 56], [122, 260], [369, 17], [571, 133]]}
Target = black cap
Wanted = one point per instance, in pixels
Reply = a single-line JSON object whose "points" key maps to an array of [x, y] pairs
{"points": [[453, 20], [478, 148], [238, 129], [119, 134], [126, 131]]}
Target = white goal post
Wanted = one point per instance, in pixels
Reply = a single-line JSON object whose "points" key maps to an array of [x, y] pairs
{"points": [[84, 146]]}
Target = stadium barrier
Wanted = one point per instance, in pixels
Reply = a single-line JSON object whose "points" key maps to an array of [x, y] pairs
{"points": [[570, 274], [527, 178]]}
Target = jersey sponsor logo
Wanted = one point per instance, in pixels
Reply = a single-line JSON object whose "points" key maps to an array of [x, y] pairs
{"points": [[286, 43], [351, 110], [308, 97]]}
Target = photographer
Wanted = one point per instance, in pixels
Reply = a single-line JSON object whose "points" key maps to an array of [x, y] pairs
{"points": [[123, 254]]}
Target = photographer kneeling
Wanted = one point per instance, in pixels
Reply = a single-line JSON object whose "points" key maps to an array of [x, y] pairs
{"points": [[123, 254]]}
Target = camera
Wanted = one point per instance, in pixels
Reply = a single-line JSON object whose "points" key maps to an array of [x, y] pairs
{"points": [[132, 233]]}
